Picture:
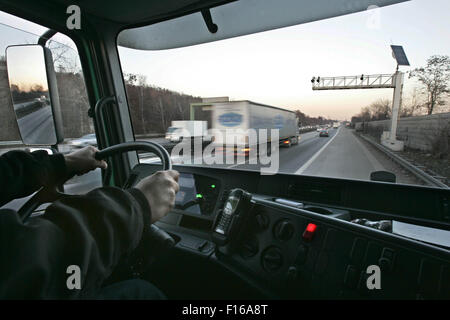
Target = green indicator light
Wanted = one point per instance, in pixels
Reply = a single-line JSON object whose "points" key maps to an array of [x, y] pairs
{"points": [[199, 195], [213, 186]]}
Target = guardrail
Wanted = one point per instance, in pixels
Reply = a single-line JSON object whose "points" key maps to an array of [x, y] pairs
{"points": [[422, 175], [307, 130], [11, 144]]}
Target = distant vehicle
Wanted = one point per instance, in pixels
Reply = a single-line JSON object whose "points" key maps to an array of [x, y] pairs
{"points": [[324, 133], [319, 129], [336, 125], [187, 129], [84, 141], [240, 116]]}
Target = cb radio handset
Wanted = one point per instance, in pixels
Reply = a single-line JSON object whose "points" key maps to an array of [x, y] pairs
{"points": [[232, 219]]}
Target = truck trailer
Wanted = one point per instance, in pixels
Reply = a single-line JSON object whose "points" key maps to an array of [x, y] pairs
{"points": [[232, 120]]}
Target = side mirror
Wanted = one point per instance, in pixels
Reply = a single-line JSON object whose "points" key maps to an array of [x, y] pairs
{"points": [[34, 93]]}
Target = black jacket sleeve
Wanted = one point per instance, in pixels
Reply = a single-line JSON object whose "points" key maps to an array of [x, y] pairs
{"points": [[92, 232], [22, 173]]}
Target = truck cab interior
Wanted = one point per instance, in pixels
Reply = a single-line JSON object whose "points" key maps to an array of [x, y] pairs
{"points": [[243, 234]]}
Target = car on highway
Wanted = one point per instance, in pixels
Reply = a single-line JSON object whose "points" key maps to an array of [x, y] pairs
{"points": [[170, 134], [84, 141], [324, 133]]}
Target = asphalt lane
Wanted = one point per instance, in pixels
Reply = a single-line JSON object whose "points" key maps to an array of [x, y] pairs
{"points": [[341, 155], [345, 157], [37, 126], [292, 158]]}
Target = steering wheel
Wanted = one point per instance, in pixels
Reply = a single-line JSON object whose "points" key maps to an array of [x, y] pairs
{"points": [[158, 237]]}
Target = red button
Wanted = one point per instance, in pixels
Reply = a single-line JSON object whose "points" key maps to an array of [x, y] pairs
{"points": [[309, 231]]}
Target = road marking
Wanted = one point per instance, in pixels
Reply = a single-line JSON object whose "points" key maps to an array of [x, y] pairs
{"points": [[314, 157]]}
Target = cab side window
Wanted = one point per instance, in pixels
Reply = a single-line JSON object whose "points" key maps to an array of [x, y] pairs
{"points": [[78, 127]]}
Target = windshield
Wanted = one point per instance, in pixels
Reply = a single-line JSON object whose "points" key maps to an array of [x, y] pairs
{"points": [[331, 98], [171, 129]]}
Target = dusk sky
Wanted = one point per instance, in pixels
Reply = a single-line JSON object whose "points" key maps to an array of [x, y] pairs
{"points": [[22, 75], [276, 67]]}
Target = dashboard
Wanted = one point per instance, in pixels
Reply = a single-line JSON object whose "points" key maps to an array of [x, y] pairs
{"points": [[198, 194], [295, 237]]}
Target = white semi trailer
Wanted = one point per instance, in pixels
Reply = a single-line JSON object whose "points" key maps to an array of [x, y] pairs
{"points": [[232, 120]]}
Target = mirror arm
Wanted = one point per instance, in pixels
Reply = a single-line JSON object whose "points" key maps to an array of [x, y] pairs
{"points": [[46, 36], [212, 27]]}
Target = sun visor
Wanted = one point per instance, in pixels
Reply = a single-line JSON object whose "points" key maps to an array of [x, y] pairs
{"points": [[239, 18]]}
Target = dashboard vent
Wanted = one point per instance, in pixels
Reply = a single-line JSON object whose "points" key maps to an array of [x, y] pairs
{"points": [[314, 192]]}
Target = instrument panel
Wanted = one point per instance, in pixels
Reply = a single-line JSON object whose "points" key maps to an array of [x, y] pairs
{"points": [[198, 194], [306, 246]]}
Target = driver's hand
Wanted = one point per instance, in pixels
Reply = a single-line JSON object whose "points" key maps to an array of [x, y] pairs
{"points": [[83, 161], [160, 189]]}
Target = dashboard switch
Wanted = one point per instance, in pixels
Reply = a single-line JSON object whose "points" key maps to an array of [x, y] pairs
{"points": [[292, 274], [272, 259], [302, 253], [309, 232], [284, 230], [262, 221]]}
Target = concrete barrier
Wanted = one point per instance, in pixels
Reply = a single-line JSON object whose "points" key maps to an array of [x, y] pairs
{"points": [[420, 132]]}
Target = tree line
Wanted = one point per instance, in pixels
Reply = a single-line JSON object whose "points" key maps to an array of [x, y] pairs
{"points": [[431, 96], [153, 108], [305, 120]]}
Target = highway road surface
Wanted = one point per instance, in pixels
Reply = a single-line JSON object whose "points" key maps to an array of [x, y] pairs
{"points": [[341, 155], [38, 126], [344, 157]]}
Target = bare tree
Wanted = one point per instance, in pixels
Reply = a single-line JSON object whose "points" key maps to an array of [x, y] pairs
{"points": [[180, 110], [380, 109], [413, 105], [142, 84], [130, 78], [435, 77], [366, 114], [64, 57], [161, 112]]}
